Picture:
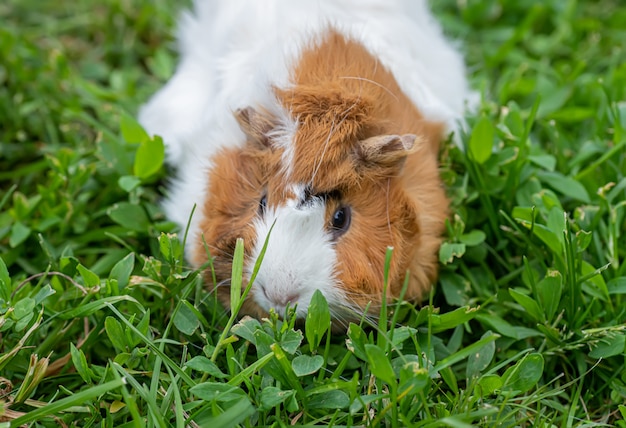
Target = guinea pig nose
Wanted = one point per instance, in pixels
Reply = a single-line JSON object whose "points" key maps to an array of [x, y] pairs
{"points": [[284, 299], [280, 298]]}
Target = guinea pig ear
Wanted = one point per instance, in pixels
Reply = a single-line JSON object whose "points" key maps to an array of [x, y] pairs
{"points": [[255, 125], [385, 151]]}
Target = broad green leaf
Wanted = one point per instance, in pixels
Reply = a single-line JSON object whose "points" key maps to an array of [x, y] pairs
{"points": [[23, 322], [449, 320], [557, 223], [246, 329], [23, 205], [356, 341], [186, 320], [617, 285], [291, 340], [264, 342], [204, 365], [122, 270], [481, 141], [149, 158], [336, 399], [552, 240], [594, 278], [402, 333], [5, 281], [504, 328], [550, 332], [455, 288], [128, 182], [170, 246], [130, 216], [132, 131], [115, 332], [19, 234], [583, 239], [220, 392], [305, 364], [80, 363], [549, 292], [547, 162], [547, 200], [488, 384], [565, 185], [143, 326], [448, 251], [448, 376], [480, 360], [523, 375], [317, 320], [24, 307], [553, 97], [463, 353], [506, 155], [272, 397], [524, 214], [379, 364], [513, 118], [610, 345], [45, 292], [90, 279], [473, 238], [413, 379], [286, 369], [530, 306]]}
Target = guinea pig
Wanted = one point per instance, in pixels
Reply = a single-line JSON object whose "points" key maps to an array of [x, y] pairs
{"points": [[318, 124]]}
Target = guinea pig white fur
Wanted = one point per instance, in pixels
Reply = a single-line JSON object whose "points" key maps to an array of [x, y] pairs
{"points": [[320, 120]]}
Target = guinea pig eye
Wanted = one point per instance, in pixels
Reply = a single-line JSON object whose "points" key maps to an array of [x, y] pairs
{"points": [[263, 204], [340, 221]]}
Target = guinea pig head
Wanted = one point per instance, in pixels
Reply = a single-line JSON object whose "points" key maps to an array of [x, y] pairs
{"points": [[323, 188]]}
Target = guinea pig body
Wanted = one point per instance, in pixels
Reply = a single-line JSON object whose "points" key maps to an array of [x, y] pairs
{"points": [[318, 123]]}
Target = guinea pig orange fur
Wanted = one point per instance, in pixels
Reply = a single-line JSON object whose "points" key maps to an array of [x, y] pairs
{"points": [[331, 166]]}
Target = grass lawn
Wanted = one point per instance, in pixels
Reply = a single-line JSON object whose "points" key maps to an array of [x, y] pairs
{"points": [[102, 323]]}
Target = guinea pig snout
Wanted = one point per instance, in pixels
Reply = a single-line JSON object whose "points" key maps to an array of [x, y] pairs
{"points": [[298, 256], [280, 298]]}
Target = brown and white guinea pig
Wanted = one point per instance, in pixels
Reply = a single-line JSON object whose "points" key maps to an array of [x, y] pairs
{"points": [[320, 120]]}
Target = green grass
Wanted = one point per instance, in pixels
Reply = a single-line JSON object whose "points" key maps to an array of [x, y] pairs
{"points": [[102, 324]]}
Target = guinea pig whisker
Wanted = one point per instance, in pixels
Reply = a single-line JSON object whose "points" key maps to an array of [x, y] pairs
{"points": [[242, 176], [372, 297], [214, 250], [363, 79], [223, 283], [351, 311]]}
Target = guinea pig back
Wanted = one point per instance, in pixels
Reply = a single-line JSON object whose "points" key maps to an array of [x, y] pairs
{"points": [[328, 151]]}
